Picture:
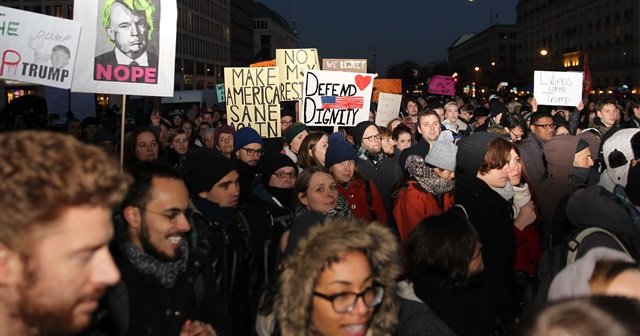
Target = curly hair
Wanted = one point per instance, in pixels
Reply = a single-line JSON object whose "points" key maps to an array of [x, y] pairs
{"points": [[147, 6], [44, 173], [326, 243]]}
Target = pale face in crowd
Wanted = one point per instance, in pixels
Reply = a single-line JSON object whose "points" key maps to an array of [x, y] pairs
{"points": [[404, 141], [429, 127], [582, 159], [343, 171], [250, 154], [440, 112], [351, 273], [609, 114], [146, 147], [321, 195], [208, 140], [496, 178], [375, 145], [297, 141], [285, 122], [188, 128], [515, 165], [544, 129], [451, 113], [319, 151], [283, 178], [225, 143], [445, 173], [180, 143], [412, 109], [225, 192], [466, 115], [388, 145]]}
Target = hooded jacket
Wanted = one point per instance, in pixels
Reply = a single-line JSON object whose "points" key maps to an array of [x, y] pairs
{"points": [[322, 244]]}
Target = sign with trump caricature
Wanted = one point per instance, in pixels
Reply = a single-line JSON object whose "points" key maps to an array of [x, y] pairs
{"points": [[121, 44]]}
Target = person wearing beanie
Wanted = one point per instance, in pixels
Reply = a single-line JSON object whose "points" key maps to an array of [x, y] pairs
{"points": [[372, 163], [249, 149], [223, 139], [214, 188], [428, 191], [362, 195], [293, 137], [569, 164], [481, 178]]}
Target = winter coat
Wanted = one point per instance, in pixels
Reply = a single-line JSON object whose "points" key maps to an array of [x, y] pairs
{"points": [[413, 204], [384, 173], [528, 251], [533, 159], [355, 192], [415, 317]]}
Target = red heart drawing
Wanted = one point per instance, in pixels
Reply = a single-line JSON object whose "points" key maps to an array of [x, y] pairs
{"points": [[362, 81]]}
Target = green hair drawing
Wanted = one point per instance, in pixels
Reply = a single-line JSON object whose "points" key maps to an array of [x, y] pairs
{"points": [[135, 5]]}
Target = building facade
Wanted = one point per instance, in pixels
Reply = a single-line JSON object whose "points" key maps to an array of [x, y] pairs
{"points": [[241, 32], [270, 32]]}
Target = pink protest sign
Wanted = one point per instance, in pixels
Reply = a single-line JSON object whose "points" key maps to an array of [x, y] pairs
{"points": [[442, 85]]}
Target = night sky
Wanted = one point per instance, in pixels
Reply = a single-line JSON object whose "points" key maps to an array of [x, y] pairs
{"points": [[419, 30]]}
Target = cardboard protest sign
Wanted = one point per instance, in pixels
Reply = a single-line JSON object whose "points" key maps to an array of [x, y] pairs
{"points": [[253, 99], [220, 93], [386, 85], [37, 48], [336, 98], [557, 88], [344, 64], [292, 63], [442, 85], [388, 108], [128, 47]]}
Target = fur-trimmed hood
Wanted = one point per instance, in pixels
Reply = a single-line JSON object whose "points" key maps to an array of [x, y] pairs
{"points": [[324, 243]]}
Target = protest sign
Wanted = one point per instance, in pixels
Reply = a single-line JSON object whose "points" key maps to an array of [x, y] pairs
{"points": [[336, 98], [442, 85], [387, 86], [269, 63], [557, 88], [388, 108], [37, 48], [126, 50], [292, 63], [220, 93], [344, 64], [253, 99]]}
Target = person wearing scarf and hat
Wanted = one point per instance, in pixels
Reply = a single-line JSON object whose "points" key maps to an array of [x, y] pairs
{"points": [[248, 148], [293, 136], [429, 189]]}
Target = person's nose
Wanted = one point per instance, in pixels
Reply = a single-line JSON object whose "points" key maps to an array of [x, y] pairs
{"points": [[105, 272]]}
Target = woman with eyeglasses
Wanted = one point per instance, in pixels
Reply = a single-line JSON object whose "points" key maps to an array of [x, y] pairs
{"points": [[339, 280]]}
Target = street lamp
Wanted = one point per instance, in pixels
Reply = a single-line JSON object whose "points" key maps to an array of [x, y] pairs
{"points": [[543, 52], [476, 69]]}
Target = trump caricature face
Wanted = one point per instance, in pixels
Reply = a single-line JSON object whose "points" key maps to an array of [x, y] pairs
{"points": [[128, 30]]}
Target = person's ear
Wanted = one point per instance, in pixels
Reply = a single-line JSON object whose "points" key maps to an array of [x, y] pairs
{"points": [[111, 34], [10, 266], [133, 216], [302, 197]]}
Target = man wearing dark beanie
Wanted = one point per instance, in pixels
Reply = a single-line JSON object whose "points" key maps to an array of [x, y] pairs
{"points": [[220, 230], [248, 148]]}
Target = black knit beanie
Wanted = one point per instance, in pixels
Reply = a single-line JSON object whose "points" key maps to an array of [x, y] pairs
{"points": [[359, 130], [272, 163], [203, 168]]}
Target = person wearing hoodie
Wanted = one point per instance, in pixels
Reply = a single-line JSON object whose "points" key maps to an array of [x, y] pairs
{"points": [[569, 164]]}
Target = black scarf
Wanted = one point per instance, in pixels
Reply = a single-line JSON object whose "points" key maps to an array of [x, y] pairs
{"points": [[284, 196], [166, 273], [225, 215]]}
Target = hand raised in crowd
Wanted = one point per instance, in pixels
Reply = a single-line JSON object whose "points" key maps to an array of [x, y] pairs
{"points": [[197, 328], [580, 106], [526, 216], [155, 118], [534, 104]]}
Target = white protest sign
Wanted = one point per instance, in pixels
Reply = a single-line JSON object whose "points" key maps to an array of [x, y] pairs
{"points": [[253, 99], [292, 64], [126, 50], [388, 108], [37, 48], [335, 98], [557, 88], [344, 64]]}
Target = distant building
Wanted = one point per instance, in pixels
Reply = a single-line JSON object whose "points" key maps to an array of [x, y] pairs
{"points": [[270, 32], [555, 34], [241, 32]]}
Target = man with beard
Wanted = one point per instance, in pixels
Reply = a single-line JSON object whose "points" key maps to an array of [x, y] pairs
{"points": [[54, 233], [248, 148], [166, 287]]}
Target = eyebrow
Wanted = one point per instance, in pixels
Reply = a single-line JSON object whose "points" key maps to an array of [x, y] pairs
{"points": [[344, 282]]}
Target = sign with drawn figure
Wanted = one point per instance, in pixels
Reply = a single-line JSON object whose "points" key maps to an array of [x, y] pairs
{"points": [[442, 85], [253, 99], [386, 85], [557, 88], [336, 98], [37, 48], [128, 47], [292, 64], [220, 93], [388, 108], [344, 64]]}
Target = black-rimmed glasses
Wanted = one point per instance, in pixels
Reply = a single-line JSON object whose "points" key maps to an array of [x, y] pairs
{"points": [[546, 126], [253, 152], [345, 302], [373, 138], [283, 175]]}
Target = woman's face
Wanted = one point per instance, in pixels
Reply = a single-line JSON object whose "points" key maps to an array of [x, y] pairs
{"points": [[515, 175], [180, 143], [343, 171], [412, 109], [350, 274], [146, 147], [445, 174], [320, 149], [388, 145], [297, 140], [561, 130], [451, 113], [496, 178], [404, 141], [321, 195], [188, 128]]}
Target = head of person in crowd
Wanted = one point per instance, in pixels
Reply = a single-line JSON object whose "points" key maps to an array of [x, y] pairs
{"points": [[141, 145], [312, 150], [223, 139], [541, 126], [202, 126], [248, 146], [187, 126], [466, 112], [515, 165], [568, 159], [74, 127], [212, 177], [618, 156], [367, 137], [451, 112], [562, 129], [55, 263], [287, 118], [208, 138], [176, 117], [340, 280], [447, 246], [514, 125], [178, 141], [394, 123], [106, 140], [316, 189], [279, 174], [411, 108], [481, 114], [294, 135], [207, 117], [497, 111], [388, 144], [608, 111], [154, 213], [402, 137], [163, 131], [586, 316], [435, 105], [485, 156], [340, 159], [429, 125], [90, 126], [442, 157]]}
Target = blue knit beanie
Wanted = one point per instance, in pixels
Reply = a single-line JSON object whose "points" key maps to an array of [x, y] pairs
{"points": [[245, 136], [338, 150]]}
